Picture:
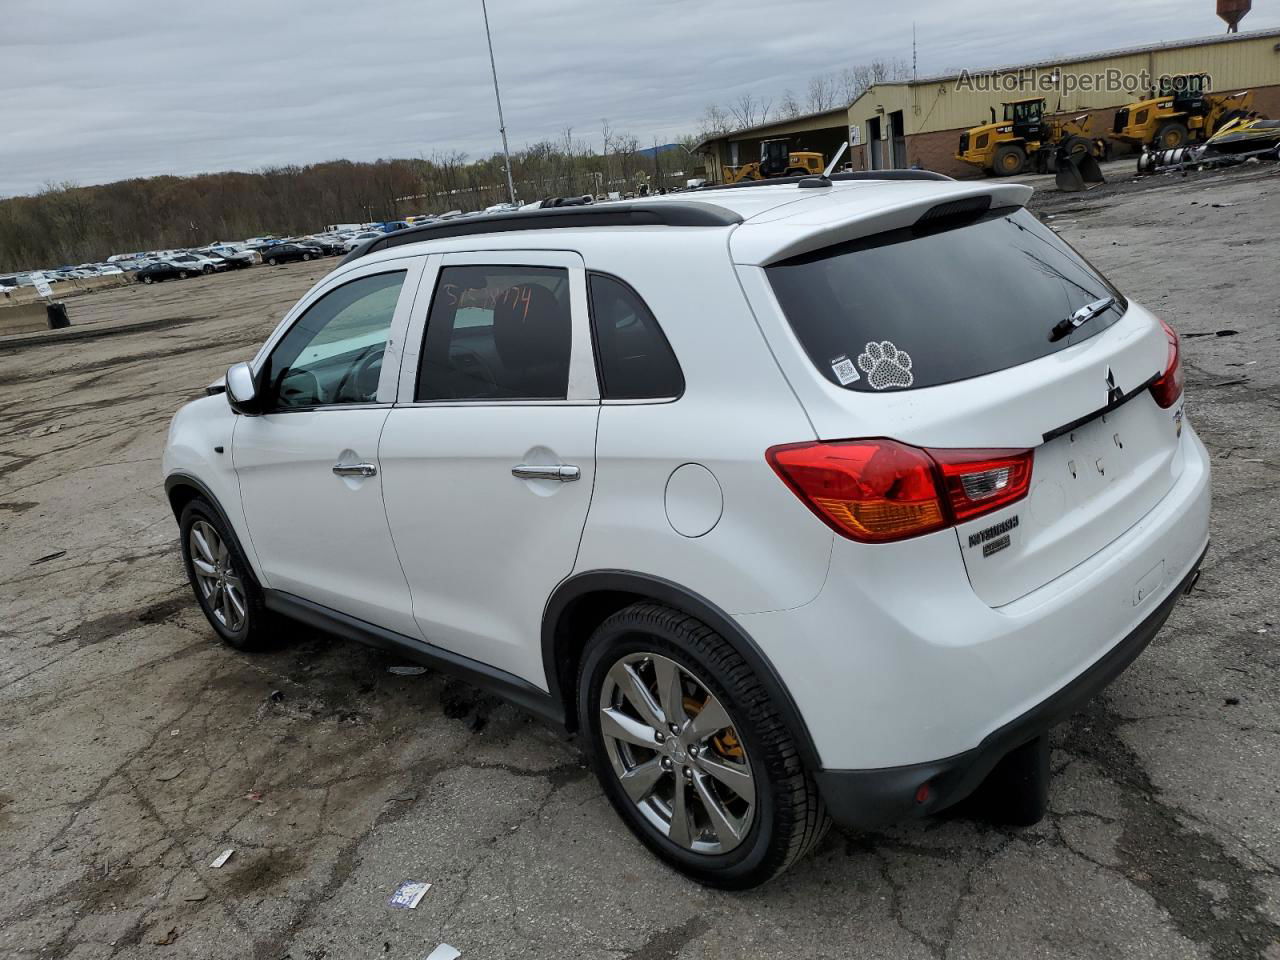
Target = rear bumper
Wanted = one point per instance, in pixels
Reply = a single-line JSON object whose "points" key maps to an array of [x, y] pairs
{"points": [[871, 798]]}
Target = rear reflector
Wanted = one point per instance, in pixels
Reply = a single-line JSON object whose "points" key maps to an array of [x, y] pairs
{"points": [[1168, 388], [881, 490]]}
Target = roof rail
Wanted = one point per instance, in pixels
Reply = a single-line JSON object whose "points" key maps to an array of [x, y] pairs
{"points": [[665, 214], [849, 175]]}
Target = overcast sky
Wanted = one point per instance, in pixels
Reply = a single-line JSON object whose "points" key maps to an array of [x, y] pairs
{"points": [[96, 91]]}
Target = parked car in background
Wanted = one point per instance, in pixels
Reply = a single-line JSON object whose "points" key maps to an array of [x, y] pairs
{"points": [[329, 245], [197, 263], [164, 270], [360, 238], [8, 283], [257, 243], [109, 270], [233, 259], [288, 252]]}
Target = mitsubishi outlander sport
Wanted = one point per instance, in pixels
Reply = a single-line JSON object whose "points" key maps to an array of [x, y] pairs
{"points": [[807, 501]]}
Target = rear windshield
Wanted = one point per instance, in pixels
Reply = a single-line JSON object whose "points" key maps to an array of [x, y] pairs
{"points": [[916, 309]]}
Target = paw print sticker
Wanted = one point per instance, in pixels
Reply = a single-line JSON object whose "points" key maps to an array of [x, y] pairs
{"points": [[885, 365]]}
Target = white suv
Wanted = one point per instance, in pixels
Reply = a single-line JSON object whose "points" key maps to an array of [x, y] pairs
{"points": [[798, 502]]}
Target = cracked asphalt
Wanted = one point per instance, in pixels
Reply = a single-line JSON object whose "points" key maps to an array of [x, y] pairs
{"points": [[134, 748]]}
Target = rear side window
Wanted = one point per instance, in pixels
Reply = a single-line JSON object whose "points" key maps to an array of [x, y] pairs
{"points": [[911, 308], [497, 333], [636, 362]]}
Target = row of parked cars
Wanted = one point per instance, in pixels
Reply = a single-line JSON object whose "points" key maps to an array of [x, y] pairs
{"points": [[156, 265]]}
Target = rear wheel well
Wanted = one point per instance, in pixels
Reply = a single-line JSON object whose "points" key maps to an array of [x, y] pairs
{"points": [[574, 627]]}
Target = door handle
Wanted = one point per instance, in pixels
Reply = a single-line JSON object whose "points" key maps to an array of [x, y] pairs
{"points": [[355, 470], [565, 473]]}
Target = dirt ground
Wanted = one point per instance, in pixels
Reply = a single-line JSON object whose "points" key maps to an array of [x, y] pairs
{"points": [[134, 748]]}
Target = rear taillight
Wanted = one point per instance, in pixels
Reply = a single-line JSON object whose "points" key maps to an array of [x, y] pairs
{"points": [[1168, 388], [880, 490]]}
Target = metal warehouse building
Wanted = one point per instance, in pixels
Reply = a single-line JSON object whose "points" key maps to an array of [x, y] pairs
{"points": [[918, 122]]}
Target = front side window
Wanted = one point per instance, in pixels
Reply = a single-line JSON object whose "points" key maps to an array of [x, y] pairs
{"points": [[635, 359], [333, 353], [497, 333]]}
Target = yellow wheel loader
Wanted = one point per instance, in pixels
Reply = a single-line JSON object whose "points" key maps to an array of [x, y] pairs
{"points": [[777, 159], [1182, 111], [1025, 139]]}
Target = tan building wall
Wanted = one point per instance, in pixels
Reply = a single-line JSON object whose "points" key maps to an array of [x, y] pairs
{"points": [[934, 111]]}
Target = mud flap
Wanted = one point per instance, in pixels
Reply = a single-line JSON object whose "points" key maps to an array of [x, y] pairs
{"points": [[1016, 792]]}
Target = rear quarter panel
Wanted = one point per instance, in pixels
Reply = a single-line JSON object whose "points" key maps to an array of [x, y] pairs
{"points": [[767, 551]]}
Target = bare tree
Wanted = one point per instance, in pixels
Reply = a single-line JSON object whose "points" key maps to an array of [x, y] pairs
{"points": [[747, 111], [790, 107], [822, 93]]}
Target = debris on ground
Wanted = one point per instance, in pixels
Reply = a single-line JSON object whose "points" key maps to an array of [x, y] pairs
{"points": [[169, 773], [444, 952], [168, 938], [408, 894], [254, 795], [277, 696], [221, 858], [407, 671], [47, 557]]}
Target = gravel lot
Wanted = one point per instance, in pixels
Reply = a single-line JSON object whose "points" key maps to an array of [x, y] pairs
{"points": [[135, 748]]}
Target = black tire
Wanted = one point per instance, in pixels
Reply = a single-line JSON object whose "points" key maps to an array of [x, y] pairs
{"points": [[148, 279], [1010, 160], [182, 274], [272, 261], [256, 633], [306, 256], [789, 818], [206, 269], [1171, 136], [1077, 146]]}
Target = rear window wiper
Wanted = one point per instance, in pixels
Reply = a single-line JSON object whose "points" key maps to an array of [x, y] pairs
{"points": [[1080, 317]]}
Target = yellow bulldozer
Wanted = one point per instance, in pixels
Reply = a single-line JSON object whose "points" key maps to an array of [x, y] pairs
{"points": [[1182, 111], [777, 159], [1025, 138]]}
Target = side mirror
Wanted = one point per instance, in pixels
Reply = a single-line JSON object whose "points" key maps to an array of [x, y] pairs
{"points": [[242, 391]]}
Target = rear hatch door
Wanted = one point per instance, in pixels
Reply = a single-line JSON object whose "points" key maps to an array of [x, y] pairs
{"points": [[939, 337]]}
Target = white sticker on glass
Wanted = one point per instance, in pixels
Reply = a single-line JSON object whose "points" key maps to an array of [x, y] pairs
{"points": [[885, 365], [844, 370]]}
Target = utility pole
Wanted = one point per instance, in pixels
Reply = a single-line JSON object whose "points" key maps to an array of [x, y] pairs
{"points": [[502, 127]]}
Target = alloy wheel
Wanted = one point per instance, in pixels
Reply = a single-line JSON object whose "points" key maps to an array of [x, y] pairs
{"points": [[217, 578], [677, 756]]}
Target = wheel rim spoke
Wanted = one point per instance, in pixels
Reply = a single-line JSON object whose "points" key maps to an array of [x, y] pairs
{"points": [[727, 827], [233, 594], [634, 689], [670, 690], [640, 781], [686, 771], [198, 538], [680, 831], [734, 776], [712, 718], [204, 567], [614, 723]]}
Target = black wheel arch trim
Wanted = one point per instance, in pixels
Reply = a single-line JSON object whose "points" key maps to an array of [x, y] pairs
{"points": [[187, 480], [648, 587]]}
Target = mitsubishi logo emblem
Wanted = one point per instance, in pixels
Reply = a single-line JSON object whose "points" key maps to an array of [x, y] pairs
{"points": [[1114, 393]]}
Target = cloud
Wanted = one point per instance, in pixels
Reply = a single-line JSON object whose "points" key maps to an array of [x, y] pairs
{"points": [[108, 91]]}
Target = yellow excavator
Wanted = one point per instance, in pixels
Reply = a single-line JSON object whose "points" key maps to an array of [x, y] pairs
{"points": [[777, 159], [1182, 111], [1026, 138]]}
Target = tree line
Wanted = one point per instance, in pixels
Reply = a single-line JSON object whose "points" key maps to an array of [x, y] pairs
{"points": [[69, 224]]}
